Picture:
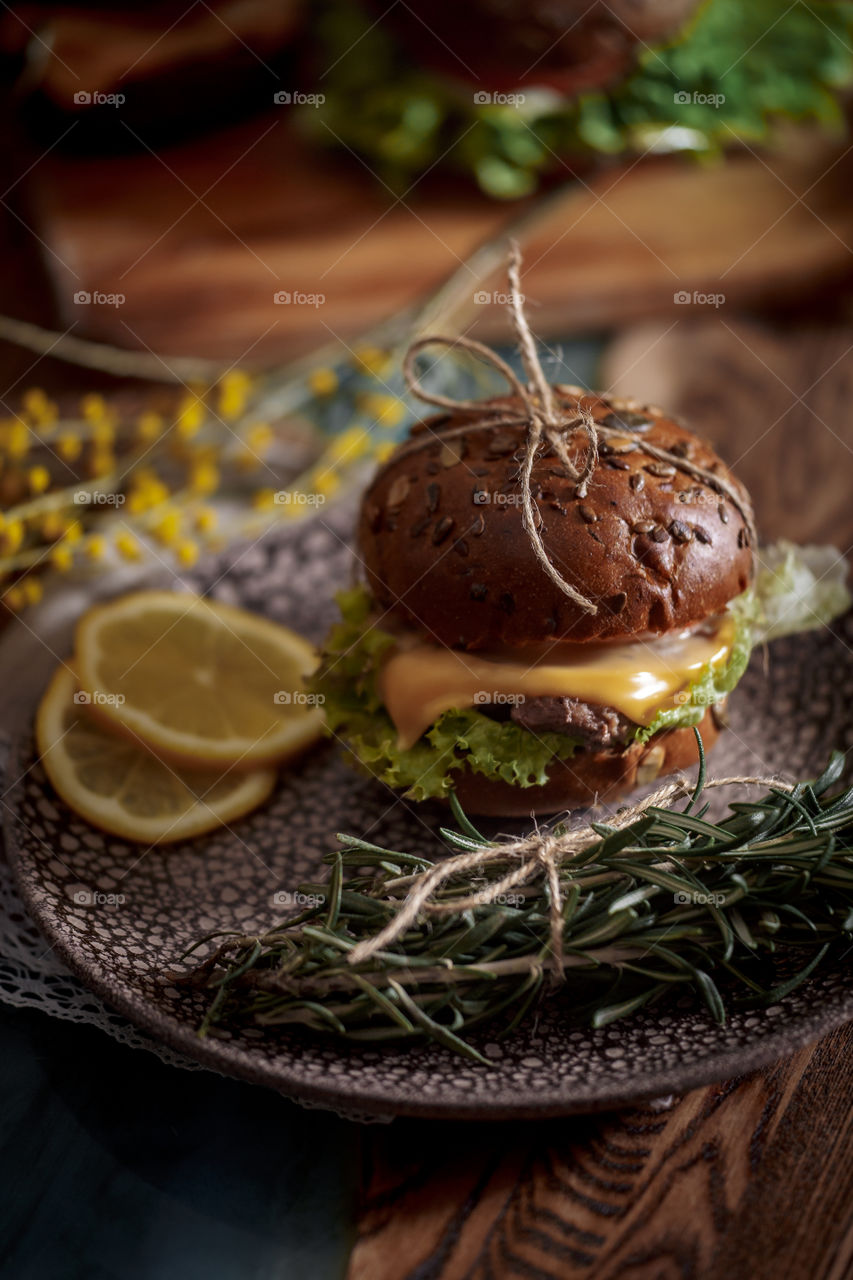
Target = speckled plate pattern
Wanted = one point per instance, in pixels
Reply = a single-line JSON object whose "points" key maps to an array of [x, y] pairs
{"points": [[120, 916]]}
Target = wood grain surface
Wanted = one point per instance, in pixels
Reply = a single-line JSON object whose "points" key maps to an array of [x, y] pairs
{"points": [[199, 238], [752, 1179]]}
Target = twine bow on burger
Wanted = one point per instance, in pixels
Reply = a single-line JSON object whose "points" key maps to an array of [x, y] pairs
{"points": [[541, 852], [546, 421]]}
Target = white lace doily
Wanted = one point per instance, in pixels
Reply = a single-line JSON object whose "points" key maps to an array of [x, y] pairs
{"points": [[31, 976]]}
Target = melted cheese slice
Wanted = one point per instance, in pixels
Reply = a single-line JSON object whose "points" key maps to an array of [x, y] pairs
{"points": [[417, 684]]}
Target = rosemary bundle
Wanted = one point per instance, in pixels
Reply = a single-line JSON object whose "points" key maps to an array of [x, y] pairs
{"points": [[396, 947]]}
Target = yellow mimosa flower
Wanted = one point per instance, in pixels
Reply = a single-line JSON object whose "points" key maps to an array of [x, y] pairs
{"points": [[62, 558], [128, 545], [39, 479], [206, 519], [187, 552], [68, 446], [149, 426], [323, 382], [32, 589], [234, 390]]}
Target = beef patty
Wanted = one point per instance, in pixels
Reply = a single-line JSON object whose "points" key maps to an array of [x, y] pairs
{"points": [[593, 725]]}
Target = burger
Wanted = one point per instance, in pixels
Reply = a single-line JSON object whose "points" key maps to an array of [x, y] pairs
{"points": [[462, 664], [570, 46]]}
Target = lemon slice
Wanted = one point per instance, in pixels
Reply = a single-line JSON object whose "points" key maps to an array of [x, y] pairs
{"points": [[199, 682], [124, 789]]}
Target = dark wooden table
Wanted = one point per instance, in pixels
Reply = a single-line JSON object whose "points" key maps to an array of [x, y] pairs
{"points": [[750, 1177]]}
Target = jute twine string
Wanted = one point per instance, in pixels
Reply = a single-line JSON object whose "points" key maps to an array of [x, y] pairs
{"points": [[547, 422], [539, 853]]}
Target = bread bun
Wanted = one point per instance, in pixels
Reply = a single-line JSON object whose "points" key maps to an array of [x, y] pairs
{"points": [[446, 553], [571, 46], [589, 777]]}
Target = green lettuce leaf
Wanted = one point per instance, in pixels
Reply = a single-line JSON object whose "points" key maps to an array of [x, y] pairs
{"points": [[798, 589], [795, 589], [715, 682], [467, 739]]}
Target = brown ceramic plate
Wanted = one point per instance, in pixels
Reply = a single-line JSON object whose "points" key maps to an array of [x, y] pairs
{"points": [[788, 718]]}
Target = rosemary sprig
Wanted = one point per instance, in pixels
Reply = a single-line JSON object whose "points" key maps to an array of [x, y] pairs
{"points": [[747, 907]]}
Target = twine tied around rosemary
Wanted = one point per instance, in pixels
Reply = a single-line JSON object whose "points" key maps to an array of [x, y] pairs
{"points": [[536, 854], [546, 421]]}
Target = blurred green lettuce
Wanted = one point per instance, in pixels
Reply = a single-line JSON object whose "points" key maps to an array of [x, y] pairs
{"points": [[734, 70]]}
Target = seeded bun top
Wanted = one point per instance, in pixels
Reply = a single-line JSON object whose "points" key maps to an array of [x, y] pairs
{"points": [[446, 552]]}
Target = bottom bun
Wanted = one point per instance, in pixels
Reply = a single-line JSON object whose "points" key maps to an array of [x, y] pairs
{"points": [[590, 777]]}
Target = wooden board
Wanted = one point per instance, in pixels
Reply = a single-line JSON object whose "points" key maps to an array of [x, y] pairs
{"points": [[751, 1178], [201, 237]]}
